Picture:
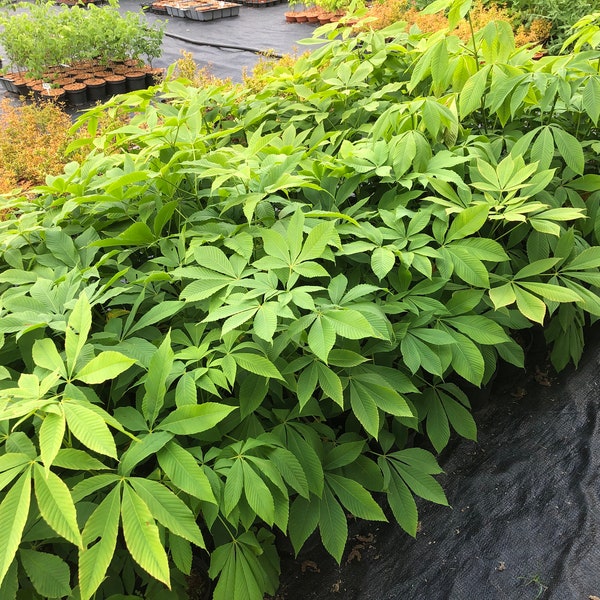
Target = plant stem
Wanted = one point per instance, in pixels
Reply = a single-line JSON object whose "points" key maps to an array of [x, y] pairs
{"points": [[476, 57], [475, 51], [551, 112]]}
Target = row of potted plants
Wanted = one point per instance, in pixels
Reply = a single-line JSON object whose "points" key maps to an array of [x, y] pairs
{"points": [[43, 36], [322, 11], [259, 2], [317, 15], [197, 10], [76, 2], [84, 81]]}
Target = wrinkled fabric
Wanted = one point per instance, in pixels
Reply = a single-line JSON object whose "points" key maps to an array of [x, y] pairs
{"points": [[256, 28], [525, 516]]}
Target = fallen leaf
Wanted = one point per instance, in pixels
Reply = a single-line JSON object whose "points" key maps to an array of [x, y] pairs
{"points": [[310, 565]]}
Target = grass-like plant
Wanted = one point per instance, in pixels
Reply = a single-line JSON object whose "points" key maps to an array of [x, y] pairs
{"points": [[237, 313]]}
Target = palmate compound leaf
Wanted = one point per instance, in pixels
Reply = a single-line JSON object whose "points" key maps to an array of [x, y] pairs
{"points": [[107, 365], [89, 428], [10, 584], [401, 501], [184, 472], [291, 470], [257, 493], [155, 385], [304, 518], [169, 510], [371, 394], [254, 363], [49, 574], [14, 511], [355, 498], [191, 419], [101, 530], [242, 575], [56, 504], [181, 553], [142, 537], [333, 526], [51, 433], [417, 477], [78, 327]]}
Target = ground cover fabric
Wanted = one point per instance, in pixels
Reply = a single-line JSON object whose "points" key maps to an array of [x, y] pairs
{"points": [[525, 498]]}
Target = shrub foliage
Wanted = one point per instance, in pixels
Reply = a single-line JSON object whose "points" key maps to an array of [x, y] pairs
{"points": [[33, 140], [233, 316]]}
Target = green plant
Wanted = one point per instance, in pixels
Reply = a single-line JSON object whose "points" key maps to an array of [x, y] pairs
{"points": [[148, 40], [19, 38], [236, 314], [335, 6], [561, 13], [536, 581], [43, 37], [586, 31]]}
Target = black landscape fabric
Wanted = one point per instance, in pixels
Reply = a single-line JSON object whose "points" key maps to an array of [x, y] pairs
{"points": [[253, 29], [525, 516]]}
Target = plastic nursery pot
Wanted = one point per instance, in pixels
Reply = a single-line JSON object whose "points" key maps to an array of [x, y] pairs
{"points": [[154, 76], [136, 80], [115, 84], [8, 81], [96, 89], [62, 81], [290, 17], [53, 94], [37, 90], [76, 93], [21, 84], [81, 77]]}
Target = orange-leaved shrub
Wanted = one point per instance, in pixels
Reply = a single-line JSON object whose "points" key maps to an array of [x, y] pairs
{"points": [[33, 140], [386, 12]]}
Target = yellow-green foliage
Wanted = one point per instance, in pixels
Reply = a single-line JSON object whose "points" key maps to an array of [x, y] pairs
{"points": [[33, 139], [386, 12]]}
